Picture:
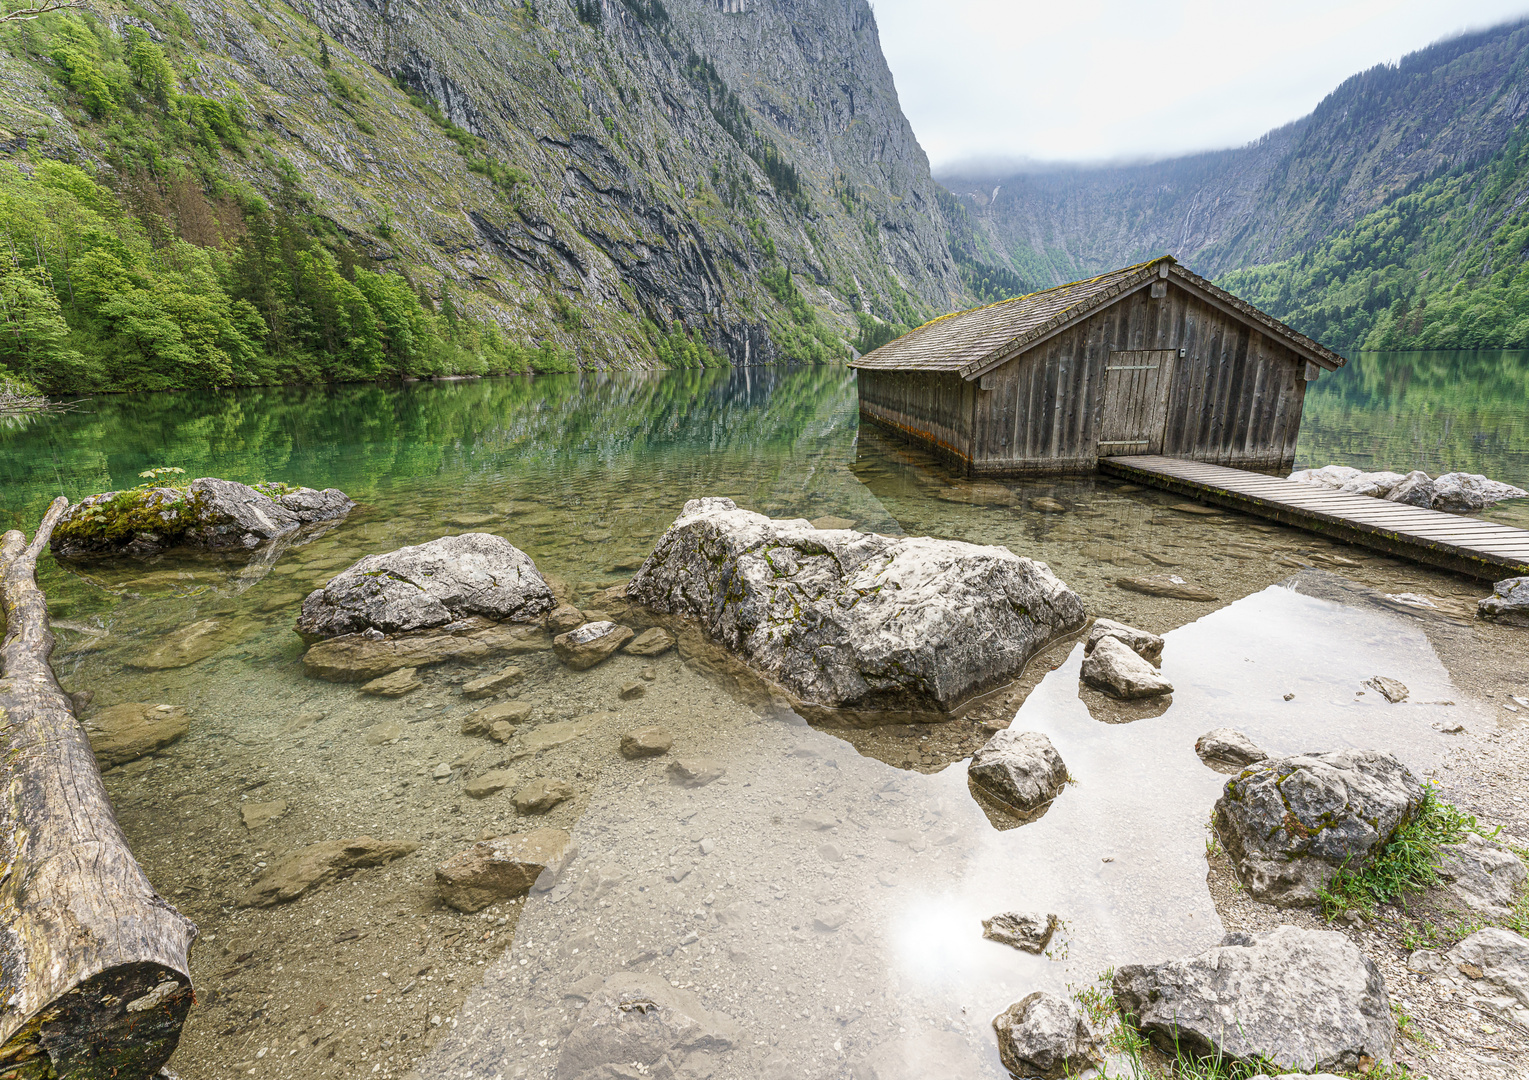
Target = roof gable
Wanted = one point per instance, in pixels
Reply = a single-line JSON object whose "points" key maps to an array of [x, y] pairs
{"points": [[973, 342]]}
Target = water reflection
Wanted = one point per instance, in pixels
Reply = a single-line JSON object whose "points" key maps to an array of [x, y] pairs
{"points": [[825, 909]]}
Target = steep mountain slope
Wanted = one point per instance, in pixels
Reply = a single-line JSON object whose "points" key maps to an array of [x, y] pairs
{"points": [[605, 182], [1441, 129]]}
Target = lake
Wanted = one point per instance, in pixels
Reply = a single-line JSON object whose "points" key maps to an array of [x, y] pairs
{"points": [[817, 908]]}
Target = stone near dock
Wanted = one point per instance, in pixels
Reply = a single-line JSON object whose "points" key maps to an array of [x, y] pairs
{"points": [[542, 795], [1195, 508], [1168, 586], [122, 733], [1390, 689], [359, 657], [484, 721], [1116, 669], [489, 685], [502, 868], [1466, 492], [584, 647], [1147, 646], [1019, 769], [654, 641], [318, 864], [256, 814], [646, 742], [695, 771], [429, 585], [1027, 930], [209, 513], [394, 684], [1508, 604], [1456, 492], [1299, 1000], [856, 620], [1047, 505], [1228, 749], [1046, 1035], [1289, 824], [1482, 876]]}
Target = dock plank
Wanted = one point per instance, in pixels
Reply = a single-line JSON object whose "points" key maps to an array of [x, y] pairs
{"points": [[1482, 549]]}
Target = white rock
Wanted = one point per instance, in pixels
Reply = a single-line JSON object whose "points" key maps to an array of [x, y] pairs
{"points": [[1147, 646], [1046, 1035], [1228, 747], [1114, 667], [1020, 769], [1508, 604]]}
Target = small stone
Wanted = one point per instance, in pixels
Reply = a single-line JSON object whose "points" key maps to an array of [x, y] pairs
{"points": [[831, 852], [651, 642], [632, 690], [1169, 586], [708, 845], [441, 771], [694, 771], [1025, 930], [646, 742], [1289, 697], [394, 684], [1145, 645], [1390, 689], [490, 783], [318, 864], [123, 733], [489, 685], [80, 700], [501, 731], [1046, 1035], [502, 868], [483, 721], [830, 522], [1047, 505], [1019, 769], [830, 918], [1195, 508], [389, 732], [649, 674], [546, 736], [564, 618], [1227, 748], [1114, 667], [589, 644], [256, 814], [542, 795]]}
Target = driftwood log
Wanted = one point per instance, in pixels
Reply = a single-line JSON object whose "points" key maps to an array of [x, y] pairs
{"points": [[94, 975]]}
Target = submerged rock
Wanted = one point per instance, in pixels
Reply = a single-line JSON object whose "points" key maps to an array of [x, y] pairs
{"points": [[856, 620], [485, 721], [1390, 689], [696, 771], [1027, 930], [647, 1026], [364, 656], [652, 642], [1147, 646], [584, 647], [646, 742], [1227, 748], [1116, 669], [1020, 769], [194, 642], [542, 795], [1046, 1035], [489, 685], [1290, 824], [122, 733], [318, 864], [1509, 602], [429, 585], [1296, 999], [504, 867], [1168, 586], [1483, 876], [208, 513], [394, 684]]}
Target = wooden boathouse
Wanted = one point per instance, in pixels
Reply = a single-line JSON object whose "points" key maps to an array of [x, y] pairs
{"points": [[1151, 359]]}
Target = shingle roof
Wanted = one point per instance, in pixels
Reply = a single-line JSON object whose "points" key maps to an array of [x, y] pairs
{"points": [[971, 342]]}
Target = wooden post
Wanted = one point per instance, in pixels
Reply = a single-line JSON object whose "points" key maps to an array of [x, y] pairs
{"points": [[94, 976]]}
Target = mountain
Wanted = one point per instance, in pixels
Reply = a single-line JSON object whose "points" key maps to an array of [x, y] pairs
{"points": [[1391, 217], [204, 193]]}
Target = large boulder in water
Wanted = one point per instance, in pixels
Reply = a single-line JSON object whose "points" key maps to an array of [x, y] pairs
{"points": [[1508, 604], [856, 620], [1289, 824], [428, 585], [1299, 1000], [209, 513]]}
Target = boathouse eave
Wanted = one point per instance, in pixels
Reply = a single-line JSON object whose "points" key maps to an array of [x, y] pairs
{"points": [[1187, 280]]}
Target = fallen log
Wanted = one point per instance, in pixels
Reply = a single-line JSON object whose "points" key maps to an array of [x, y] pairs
{"points": [[94, 976]]}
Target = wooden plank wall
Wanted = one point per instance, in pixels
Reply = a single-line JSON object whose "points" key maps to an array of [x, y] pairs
{"points": [[1235, 397], [931, 407]]}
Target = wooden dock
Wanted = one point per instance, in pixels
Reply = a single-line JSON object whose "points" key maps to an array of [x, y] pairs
{"points": [[1467, 545]]}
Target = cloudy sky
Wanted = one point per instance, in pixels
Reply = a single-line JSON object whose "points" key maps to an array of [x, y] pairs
{"points": [[1092, 80]]}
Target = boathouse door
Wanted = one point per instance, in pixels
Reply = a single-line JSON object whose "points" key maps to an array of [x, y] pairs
{"points": [[1135, 403]]}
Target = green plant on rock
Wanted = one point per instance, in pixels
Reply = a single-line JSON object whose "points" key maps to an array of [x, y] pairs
{"points": [[153, 477]]}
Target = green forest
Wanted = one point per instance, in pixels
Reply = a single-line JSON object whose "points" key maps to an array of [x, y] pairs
{"points": [[168, 273]]}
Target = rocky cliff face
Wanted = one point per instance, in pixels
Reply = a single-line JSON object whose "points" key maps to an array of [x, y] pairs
{"points": [[571, 168], [1378, 136]]}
